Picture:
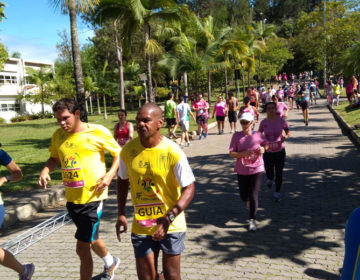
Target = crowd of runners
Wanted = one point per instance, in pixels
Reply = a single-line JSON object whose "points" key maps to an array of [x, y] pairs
{"points": [[157, 170]]}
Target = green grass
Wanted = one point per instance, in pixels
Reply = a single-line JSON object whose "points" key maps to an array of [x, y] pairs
{"points": [[350, 115], [28, 142]]}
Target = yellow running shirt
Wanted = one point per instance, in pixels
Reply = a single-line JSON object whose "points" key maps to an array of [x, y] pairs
{"points": [[156, 177], [83, 161]]}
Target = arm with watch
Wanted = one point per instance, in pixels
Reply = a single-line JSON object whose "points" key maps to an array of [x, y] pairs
{"points": [[187, 194], [15, 174]]}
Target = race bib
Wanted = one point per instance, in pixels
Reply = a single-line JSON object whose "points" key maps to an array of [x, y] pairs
{"points": [[73, 177], [146, 214], [251, 160], [275, 146]]}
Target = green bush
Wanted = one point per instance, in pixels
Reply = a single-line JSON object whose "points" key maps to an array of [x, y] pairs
{"points": [[36, 116], [162, 93], [2, 121]]}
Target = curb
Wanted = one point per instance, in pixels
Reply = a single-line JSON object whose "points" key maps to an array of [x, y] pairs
{"points": [[354, 136], [23, 205]]}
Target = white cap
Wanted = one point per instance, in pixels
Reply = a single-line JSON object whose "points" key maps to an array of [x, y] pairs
{"points": [[247, 116]]}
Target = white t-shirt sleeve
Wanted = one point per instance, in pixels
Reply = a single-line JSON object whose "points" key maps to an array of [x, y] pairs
{"points": [[183, 172], [123, 172]]}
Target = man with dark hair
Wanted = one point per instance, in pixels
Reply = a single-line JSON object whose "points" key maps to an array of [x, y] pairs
{"points": [[162, 186], [171, 116], [232, 107], [80, 148]]}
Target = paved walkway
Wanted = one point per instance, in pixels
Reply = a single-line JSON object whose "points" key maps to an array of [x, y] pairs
{"points": [[300, 237]]}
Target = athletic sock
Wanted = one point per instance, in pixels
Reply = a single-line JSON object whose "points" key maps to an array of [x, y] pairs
{"points": [[108, 260]]}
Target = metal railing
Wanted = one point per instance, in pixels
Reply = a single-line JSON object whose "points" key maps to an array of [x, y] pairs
{"points": [[35, 234]]}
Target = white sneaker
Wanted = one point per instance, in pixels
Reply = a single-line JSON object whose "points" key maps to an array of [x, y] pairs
{"points": [[252, 225], [188, 144]]}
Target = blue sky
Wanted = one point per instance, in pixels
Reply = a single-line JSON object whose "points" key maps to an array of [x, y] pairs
{"points": [[32, 27]]}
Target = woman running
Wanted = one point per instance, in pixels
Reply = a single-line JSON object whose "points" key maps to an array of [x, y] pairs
{"points": [[247, 147], [247, 108], [281, 109], [274, 158], [305, 101], [220, 109], [123, 130], [291, 96]]}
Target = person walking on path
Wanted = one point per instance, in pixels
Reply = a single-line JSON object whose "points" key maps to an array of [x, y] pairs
{"points": [[305, 101], [162, 186], [183, 111], [232, 107], [170, 116], [247, 147], [6, 258], [123, 130], [80, 147], [281, 109], [200, 106], [337, 92], [220, 110], [273, 128]]}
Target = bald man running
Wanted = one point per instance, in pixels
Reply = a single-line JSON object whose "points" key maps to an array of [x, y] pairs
{"points": [[162, 186]]}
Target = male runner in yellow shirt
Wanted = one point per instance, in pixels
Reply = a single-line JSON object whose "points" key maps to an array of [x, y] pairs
{"points": [[80, 147], [162, 186]]}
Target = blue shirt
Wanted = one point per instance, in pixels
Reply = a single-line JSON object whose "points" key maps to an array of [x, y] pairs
{"points": [[5, 159]]}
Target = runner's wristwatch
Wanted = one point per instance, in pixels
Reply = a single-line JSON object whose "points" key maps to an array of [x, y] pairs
{"points": [[171, 217], [8, 178]]}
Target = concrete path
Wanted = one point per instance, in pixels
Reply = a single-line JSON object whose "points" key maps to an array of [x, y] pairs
{"points": [[300, 237]]}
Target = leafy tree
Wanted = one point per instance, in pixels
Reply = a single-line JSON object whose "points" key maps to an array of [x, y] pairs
{"points": [[314, 39], [3, 51], [42, 78], [16, 55], [72, 7]]}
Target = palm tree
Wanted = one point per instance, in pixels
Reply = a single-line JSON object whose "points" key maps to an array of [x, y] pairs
{"points": [[42, 79], [141, 13], [262, 34], [72, 7]]}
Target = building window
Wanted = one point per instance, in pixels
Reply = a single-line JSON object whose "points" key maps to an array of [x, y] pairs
{"points": [[10, 107], [8, 79]]}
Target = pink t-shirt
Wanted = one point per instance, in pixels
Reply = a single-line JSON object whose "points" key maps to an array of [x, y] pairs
{"points": [[281, 108], [280, 94], [202, 105], [273, 132], [250, 110], [254, 163], [220, 108]]}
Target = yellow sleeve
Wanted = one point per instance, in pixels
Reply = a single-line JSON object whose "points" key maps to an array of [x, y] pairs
{"points": [[109, 142]]}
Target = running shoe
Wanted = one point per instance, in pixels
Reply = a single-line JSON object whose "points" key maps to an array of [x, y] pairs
{"points": [[188, 144], [181, 145], [306, 123], [219, 132], [222, 131], [29, 271], [108, 273], [269, 183], [200, 136], [204, 134], [252, 225]]}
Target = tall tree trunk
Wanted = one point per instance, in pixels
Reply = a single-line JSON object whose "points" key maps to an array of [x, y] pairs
{"points": [[105, 111], [259, 70], [209, 90], [243, 83], [226, 83], [42, 104], [196, 83], [148, 65], [118, 48], [186, 84], [248, 78], [78, 73], [91, 107], [98, 104]]}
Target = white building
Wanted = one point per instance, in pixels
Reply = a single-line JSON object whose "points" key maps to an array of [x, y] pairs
{"points": [[12, 83]]}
